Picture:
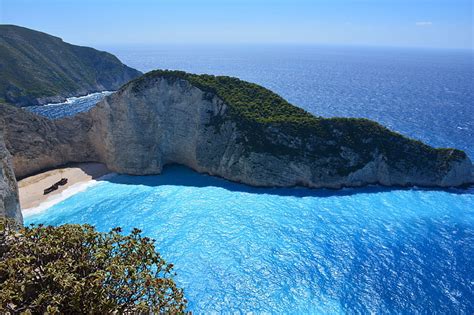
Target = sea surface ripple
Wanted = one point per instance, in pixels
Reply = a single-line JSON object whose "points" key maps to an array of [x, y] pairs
{"points": [[242, 249]]}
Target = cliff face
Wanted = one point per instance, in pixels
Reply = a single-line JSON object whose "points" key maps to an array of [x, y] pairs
{"points": [[161, 119], [38, 68], [166, 117], [9, 203], [37, 143]]}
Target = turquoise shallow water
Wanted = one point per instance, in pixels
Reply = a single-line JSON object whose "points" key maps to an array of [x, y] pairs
{"points": [[238, 248]]}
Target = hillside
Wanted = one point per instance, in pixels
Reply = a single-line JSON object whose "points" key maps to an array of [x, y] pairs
{"points": [[37, 68]]}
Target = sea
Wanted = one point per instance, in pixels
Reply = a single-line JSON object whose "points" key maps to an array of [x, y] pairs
{"points": [[70, 107], [239, 249]]}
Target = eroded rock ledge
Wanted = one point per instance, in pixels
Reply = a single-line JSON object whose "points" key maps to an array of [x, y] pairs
{"points": [[230, 128]]}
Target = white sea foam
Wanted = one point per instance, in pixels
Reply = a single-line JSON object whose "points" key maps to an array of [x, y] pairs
{"points": [[65, 194], [71, 100]]}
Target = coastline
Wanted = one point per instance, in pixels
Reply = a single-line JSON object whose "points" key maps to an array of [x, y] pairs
{"points": [[80, 177], [79, 97]]}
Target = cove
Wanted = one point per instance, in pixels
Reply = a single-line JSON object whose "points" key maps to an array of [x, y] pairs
{"points": [[239, 249]]}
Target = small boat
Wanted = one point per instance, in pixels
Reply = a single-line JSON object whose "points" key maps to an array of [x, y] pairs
{"points": [[54, 187], [50, 189]]}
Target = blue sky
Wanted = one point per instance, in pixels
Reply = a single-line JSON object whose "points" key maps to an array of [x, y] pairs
{"points": [[415, 23]]}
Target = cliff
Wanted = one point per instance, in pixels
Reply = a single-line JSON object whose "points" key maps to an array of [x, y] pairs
{"points": [[9, 203], [240, 131], [37, 143], [229, 128], [37, 68]]}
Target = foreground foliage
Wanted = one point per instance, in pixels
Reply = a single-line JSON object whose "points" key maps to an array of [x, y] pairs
{"points": [[75, 269]]}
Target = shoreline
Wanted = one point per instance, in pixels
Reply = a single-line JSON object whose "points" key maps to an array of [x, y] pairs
{"points": [[71, 99], [80, 176]]}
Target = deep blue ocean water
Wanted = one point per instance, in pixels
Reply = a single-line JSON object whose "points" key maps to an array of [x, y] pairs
{"points": [[241, 249], [238, 248], [424, 94]]}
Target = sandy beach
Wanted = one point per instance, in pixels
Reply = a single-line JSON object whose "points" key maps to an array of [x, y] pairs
{"points": [[31, 188]]}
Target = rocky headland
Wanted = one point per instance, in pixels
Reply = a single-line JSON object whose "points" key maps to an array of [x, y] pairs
{"points": [[225, 127], [37, 68]]}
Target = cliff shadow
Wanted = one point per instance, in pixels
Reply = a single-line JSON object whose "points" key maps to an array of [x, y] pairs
{"points": [[179, 175]]}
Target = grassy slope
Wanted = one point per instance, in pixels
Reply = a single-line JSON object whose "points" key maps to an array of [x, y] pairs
{"points": [[256, 109], [35, 64]]}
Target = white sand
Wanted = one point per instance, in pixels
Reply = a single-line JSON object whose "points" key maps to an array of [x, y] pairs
{"points": [[80, 177]]}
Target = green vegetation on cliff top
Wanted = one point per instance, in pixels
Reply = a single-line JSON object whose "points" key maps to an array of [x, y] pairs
{"points": [[37, 65], [246, 100], [257, 110]]}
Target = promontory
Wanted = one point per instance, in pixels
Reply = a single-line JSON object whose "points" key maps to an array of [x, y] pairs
{"points": [[38, 68], [230, 128]]}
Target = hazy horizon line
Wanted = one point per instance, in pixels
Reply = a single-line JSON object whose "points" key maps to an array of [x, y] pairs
{"points": [[296, 44]]}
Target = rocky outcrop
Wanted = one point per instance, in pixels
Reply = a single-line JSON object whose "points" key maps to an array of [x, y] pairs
{"points": [[9, 203], [166, 117], [161, 119]]}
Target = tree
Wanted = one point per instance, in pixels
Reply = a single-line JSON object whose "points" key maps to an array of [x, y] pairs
{"points": [[76, 269]]}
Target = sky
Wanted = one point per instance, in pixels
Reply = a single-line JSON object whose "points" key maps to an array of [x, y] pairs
{"points": [[405, 23]]}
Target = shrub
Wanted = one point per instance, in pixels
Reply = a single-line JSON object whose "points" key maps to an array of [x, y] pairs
{"points": [[76, 269]]}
